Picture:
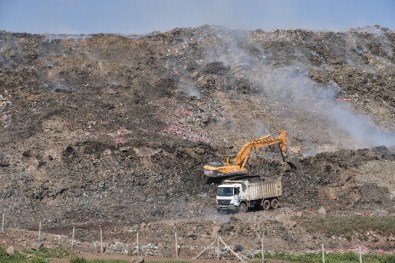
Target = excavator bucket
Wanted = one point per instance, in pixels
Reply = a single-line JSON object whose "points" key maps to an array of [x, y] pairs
{"points": [[293, 163]]}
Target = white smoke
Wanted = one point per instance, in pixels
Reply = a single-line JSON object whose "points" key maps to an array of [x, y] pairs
{"points": [[362, 129], [310, 111], [237, 50], [299, 95], [51, 37], [187, 86], [380, 37]]}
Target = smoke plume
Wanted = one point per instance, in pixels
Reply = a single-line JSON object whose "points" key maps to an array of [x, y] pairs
{"points": [[311, 112]]}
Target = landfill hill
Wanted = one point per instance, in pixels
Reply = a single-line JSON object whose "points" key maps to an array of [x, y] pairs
{"points": [[114, 130]]}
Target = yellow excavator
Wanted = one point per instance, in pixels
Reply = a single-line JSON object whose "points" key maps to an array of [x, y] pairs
{"points": [[237, 165]]}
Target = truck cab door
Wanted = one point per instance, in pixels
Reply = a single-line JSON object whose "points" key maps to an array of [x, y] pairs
{"points": [[236, 194]]}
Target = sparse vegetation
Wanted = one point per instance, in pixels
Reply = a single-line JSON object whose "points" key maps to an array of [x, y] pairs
{"points": [[49, 252], [78, 260], [45, 254], [40, 256], [347, 226], [83, 260], [18, 258], [347, 257]]}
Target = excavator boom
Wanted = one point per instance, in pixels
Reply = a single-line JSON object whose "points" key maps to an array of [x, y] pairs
{"points": [[237, 165], [244, 152]]}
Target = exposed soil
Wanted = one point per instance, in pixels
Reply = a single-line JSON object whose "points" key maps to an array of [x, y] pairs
{"points": [[114, 130]]}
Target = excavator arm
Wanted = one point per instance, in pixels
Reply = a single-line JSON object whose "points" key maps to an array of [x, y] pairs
{"points": [[237, 165], [267, 140]]}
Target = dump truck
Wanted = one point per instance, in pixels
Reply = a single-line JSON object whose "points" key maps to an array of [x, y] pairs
{"points": [[241, 195]]}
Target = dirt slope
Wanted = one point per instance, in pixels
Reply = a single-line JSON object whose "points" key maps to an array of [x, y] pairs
{"points": [[115, 129]]}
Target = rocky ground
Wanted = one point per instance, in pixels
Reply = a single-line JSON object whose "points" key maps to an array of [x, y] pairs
{"points": [[114, 130]]}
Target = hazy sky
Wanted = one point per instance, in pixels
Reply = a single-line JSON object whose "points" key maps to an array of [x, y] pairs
{"points": [[144, 16]]}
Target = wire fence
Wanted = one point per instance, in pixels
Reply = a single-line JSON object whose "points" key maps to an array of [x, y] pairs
{"points": [[218, 249]]}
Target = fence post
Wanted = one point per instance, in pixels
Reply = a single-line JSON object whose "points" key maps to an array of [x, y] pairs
{"points": [[360, 254], [137, 244], [211, 245], [39, 231], [218, 247], [323, 253], [175, 235], [101, 240], [231, 250], [72, 238], [2, 224], [263, 255]]}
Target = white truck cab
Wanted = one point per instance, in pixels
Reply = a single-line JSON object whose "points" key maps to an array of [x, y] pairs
{"points": [[228, 196]]}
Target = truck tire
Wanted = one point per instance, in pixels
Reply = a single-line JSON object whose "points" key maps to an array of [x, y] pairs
{"points": [[243, 208], [266, 205], [274, 203]]}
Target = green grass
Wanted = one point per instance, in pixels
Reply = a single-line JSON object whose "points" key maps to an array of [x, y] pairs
{"points": [[347, 257], [44, 254], [49, 252], [31, 256], [349, 225], [83, 260], [18, 258]]}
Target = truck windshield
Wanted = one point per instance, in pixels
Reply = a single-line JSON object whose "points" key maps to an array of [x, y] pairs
{"points": [[225, 191]]}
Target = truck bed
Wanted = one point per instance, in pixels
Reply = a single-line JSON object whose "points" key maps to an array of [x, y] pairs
{"points": [[261, 189]]}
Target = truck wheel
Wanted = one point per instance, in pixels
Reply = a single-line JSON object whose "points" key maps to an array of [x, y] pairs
{"points": [[274, 203], [266, 205], [243, 208]]}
